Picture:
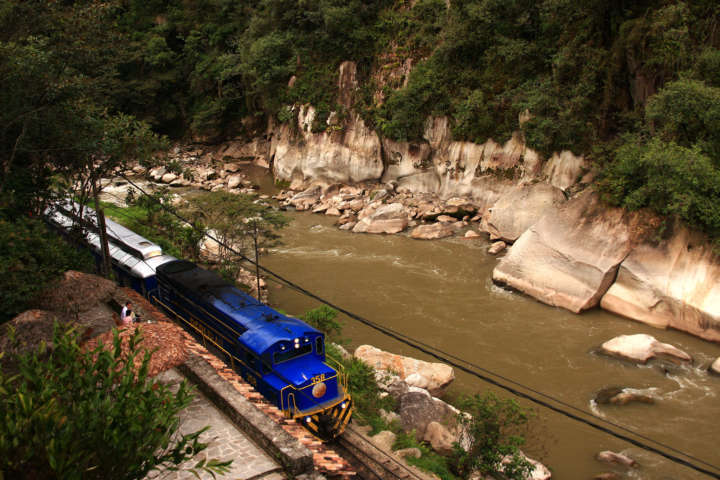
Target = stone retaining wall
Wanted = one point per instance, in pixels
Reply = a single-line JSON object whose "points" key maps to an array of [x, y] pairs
{"points": [[295, 458]]}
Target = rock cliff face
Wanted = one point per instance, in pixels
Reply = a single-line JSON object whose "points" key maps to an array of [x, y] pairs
{"points": [[569, 259], [349, 155], [567, 253], [675, 284], [350, 152]]}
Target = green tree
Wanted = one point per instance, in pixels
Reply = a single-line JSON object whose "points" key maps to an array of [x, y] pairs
{"points": [[241, 222], [491, 438], [323, 318], [668, 178], [71, 413], [31, 257], [687, 112]]}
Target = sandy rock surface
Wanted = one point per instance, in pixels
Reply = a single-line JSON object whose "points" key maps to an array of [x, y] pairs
{"points": [[432, 231], [568, 259], [607, 456], [434, 377], [520, 208], [641, 348], [391, 218], [675, 284]]}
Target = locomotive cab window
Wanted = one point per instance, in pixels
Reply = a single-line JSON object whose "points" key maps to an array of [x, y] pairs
{"points": [[280, 357], [319, 345]]}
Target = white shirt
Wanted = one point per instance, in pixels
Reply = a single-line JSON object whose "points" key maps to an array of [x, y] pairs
{"points": [[123, 312]]}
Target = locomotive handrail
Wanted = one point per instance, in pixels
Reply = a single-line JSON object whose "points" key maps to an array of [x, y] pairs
{"points": [[338, 368]]}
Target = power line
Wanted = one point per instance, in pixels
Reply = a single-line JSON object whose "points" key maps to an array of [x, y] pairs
{"points": [[445, 357]]}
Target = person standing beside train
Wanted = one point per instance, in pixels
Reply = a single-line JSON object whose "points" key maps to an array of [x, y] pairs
{"points": [[126, 315]]}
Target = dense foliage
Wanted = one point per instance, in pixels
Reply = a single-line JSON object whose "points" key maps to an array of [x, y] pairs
{"points": [[30, 259], [493, 437], [71, 413], [585, 76]]}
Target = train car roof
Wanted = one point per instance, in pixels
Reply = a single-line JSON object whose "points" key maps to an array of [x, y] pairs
{"points": [[264, 325], [140, 264]]}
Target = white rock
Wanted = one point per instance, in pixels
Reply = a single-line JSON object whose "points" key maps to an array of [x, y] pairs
{"points": [[234, 181], [497, 247], [384, 440], [433, 376], [641, 348], [390, 218], [520, 208], [671, 285], [431, 231], [472, 234], [570, 259], [168, 177], [615, 458]]}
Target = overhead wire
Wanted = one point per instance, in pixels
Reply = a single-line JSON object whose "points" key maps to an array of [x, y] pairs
{"points": [[263, 362], [446, 358]]}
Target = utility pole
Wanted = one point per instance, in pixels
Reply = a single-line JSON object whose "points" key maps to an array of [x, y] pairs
{"points": [[105, 266], [257, 258]]}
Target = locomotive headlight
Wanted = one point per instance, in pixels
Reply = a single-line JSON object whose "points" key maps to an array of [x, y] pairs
{"points": [[319, 389], [343, 405], [307, 419]]}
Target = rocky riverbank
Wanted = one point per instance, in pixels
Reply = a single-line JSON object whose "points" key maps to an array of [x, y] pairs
{"points": [[567, 248]]}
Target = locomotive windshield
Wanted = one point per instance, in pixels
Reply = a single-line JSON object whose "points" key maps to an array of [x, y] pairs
{"points": [[280, 357]]}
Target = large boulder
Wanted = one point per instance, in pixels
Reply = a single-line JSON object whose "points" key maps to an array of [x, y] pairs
{"points": [[520, 208], [440, 438], [392, 218], [623, 396], [434, 377], [384, 440], [432, 231], [641, 348], [674, 284], [615, 458], [418, 409], [569, 258]]}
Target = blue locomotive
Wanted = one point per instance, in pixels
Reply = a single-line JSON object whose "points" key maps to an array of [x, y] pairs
{"points": [[282, 357]]}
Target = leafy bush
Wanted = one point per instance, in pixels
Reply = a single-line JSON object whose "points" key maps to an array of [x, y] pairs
{"points": [[492, 433], [402, 117], [709, 66], [31, 257], [323, 318], [668, 178], [71, 413], [687, 112], [428, 461]]}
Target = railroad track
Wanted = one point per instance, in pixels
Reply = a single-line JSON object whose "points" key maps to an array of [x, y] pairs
{"points": [[370, 462]]}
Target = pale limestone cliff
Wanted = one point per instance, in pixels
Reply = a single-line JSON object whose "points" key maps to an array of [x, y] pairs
{"points": [[569, 259], [674, 284]]}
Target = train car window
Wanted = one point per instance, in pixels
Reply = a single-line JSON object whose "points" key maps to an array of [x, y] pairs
{"points": [[319, 345], [280, 357]]}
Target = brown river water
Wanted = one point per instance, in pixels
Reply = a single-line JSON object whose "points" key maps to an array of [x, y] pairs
{"points": [[440, 292]]}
